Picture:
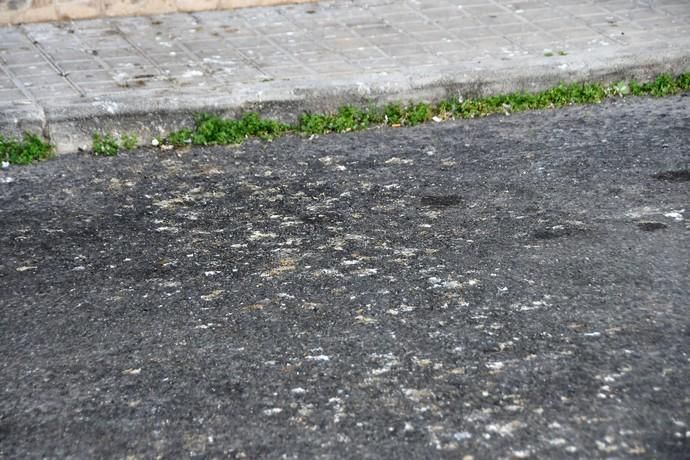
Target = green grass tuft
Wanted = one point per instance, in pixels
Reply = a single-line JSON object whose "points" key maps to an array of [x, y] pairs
{"points": [[211, 129], [129, 141], [393, 114], [418, 113], [108, 145], [27, 150], [105, 145]]}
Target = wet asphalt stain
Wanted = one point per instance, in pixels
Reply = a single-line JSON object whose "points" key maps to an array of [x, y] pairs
{"points": [[679, 175], [441, 201], [560, 231], [651, 226]]}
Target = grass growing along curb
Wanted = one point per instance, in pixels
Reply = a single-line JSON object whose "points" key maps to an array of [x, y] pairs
{"points": [[108, 145], [105, 145], [27, 150], [213, 130]]}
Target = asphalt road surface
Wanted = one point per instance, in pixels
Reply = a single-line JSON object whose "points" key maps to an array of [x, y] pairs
{"points": [[511, 287]]}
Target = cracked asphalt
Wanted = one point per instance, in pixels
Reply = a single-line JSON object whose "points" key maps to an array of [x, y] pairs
{"points": [[510, 287]]}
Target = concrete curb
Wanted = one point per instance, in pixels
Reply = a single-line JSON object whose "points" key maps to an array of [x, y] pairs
{"points": [[70, 126]]}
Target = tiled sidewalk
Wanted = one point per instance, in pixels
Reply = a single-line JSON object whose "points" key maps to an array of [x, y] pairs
{"points": [[150, 73]]}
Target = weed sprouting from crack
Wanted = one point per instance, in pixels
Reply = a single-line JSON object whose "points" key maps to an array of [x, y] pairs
{"points": [[109, 145], [105, 145], [129, 141]]}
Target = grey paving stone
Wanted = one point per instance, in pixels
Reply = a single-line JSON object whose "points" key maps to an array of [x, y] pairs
{"points": [[282, 60]]}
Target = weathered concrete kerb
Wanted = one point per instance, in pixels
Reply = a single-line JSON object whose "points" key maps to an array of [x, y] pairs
{"points": [[149, 75]]}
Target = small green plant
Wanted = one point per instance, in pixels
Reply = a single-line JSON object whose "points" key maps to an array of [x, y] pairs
{"points": [[683, 81], [663, 86], [129, 141], [108, 145], [211, 129], [619, 89], [105, 145], [312, 124], [419, 113], [548, 53], [376, 115], [393, 114], [181, 137], [27, 150], [349, 118], [562, 53]]}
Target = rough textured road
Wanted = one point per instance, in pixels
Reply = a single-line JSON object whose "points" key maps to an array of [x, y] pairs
{"points": [[511, 287]]}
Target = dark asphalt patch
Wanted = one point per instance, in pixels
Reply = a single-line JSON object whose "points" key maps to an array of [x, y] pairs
{"points": [[651, 226], [680, 175], [559, 231], [441, 201]]}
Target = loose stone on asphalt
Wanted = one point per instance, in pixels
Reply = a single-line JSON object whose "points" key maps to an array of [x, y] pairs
{"points": [[511, 287], [151, 74]]}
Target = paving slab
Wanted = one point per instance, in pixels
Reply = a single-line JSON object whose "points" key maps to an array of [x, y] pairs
{"points": [[151, 74]]}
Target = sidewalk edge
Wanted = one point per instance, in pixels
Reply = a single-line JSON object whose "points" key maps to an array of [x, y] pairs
{"points": [[70, 129]]}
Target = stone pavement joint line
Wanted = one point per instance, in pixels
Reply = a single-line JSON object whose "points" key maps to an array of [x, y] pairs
{"points": [[149, 75]]}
